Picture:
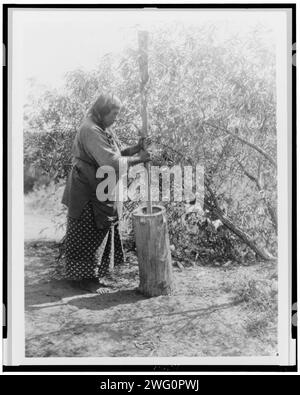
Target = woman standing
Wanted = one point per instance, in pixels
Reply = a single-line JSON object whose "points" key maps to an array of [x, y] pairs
{"points": [[92, 222]]}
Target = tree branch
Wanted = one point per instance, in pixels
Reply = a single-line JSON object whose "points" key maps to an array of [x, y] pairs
{"points": [[235, 229], [271, 209], [255, 147]]}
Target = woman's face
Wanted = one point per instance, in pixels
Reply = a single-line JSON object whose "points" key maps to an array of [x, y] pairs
{"points": [[110, 118]]}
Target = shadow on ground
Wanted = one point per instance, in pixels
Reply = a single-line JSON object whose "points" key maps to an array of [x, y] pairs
{"points": [[58, 292], [202, 317]]}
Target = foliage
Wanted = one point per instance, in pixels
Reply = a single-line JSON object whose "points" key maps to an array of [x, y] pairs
{"points": [[198, 90]]}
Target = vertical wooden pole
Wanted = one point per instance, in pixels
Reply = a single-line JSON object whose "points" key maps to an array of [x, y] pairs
{"points": [[150, 223], [143, 64]]}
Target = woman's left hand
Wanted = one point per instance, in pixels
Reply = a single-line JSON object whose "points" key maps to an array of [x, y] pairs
{"points": [[144, 143]]}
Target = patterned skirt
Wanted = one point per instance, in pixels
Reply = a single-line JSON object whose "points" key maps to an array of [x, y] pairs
{"points": [[90, 252]]}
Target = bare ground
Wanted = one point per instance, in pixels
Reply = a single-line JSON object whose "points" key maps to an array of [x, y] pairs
{"points": [[213, 312]]}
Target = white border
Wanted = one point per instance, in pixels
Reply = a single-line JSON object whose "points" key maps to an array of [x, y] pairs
{"points": [[16, 298]]}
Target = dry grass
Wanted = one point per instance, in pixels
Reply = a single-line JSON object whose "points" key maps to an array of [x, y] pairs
{"points": [[260, 299], [214, 311], [199, 319]]}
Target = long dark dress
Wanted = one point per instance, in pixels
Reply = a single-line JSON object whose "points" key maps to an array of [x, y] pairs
{"points": [[92, 242], [90, 251]]}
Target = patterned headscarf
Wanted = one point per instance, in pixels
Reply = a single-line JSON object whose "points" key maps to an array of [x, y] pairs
{"points": [[102, 106]]}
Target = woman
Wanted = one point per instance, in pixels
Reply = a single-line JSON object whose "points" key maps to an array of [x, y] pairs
{"points": [[93, 223]]}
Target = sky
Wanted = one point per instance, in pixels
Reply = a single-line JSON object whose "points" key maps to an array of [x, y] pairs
{"points": [[57, 41]]}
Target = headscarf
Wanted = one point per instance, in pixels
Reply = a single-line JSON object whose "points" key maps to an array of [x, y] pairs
{"points": [[102, 106]]}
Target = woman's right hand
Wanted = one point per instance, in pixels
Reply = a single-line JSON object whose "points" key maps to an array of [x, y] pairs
{"points": [[142, 157], [145, 156], [144, 143]]}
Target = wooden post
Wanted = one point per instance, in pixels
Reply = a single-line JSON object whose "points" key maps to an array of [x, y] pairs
{"points": [[143, 64], [150, 223], [153, 251]]}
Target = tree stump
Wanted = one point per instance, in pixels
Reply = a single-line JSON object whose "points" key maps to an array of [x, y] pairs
{"points": [[153, 251]]}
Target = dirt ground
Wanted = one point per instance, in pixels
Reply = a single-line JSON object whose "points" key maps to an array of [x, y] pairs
{"points": [[209, 313]]}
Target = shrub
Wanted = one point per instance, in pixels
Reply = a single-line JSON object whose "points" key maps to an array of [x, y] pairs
{"points": [[197, 91]]}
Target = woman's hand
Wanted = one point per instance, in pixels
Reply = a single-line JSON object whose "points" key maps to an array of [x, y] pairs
{"points": [[142, 157], [145, 156], [144, 143]]}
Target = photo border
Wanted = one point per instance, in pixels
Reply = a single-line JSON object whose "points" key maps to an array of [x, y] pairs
{"points": [[149, 368]]}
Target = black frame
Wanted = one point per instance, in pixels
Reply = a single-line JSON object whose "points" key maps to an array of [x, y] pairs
{"points": [[148, 368]]}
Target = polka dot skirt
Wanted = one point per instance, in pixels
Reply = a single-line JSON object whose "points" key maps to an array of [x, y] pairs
{"points": [[90, 252]]}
